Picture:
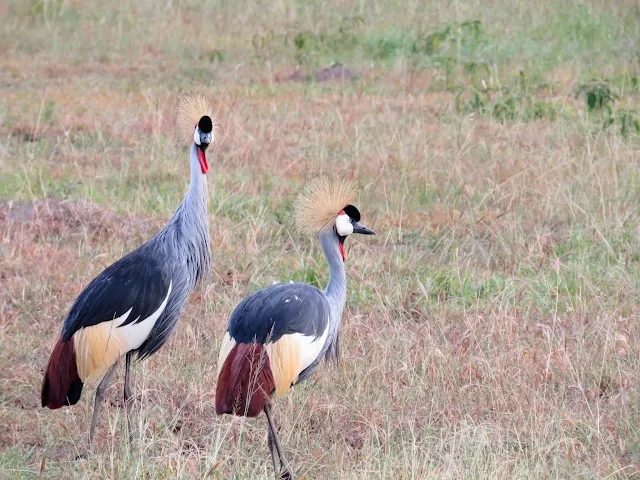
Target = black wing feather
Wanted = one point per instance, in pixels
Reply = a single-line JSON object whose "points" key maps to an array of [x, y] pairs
{"points": [[136, 280], [277, 310]]}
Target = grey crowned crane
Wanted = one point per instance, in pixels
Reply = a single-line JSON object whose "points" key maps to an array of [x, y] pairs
{"points": [[277, 336], [133, 306]]}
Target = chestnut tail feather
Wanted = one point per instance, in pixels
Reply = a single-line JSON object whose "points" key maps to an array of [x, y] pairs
{"points": [[246, 381], [61, 385]]}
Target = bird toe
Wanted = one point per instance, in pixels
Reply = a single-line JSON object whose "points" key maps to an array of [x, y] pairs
{"points": [[285, 475]]}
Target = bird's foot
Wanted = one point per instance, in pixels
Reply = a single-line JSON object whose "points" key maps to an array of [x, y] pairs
{"points": [[285, 474], [82, 456]]}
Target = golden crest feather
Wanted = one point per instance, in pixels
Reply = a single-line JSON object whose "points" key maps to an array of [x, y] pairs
{"points": [[320, 202], [191, 108]]}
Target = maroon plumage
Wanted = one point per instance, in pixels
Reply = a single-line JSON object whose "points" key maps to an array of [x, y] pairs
{"points": [[245, 382], [61, 385]]}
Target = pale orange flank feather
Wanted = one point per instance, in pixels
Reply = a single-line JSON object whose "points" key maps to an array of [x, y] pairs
{"points": [[97, 348], [285, 359]]}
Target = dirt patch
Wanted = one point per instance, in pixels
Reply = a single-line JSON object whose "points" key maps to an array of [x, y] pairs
{"points": [[68, 218], [335, 73]]}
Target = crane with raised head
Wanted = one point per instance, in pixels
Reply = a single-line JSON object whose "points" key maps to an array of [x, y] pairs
{"points": [[277, 337], [132, 307]]}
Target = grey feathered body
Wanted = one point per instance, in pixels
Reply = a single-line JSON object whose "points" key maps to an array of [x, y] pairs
{"points": [[296, 308], [175, 259]]}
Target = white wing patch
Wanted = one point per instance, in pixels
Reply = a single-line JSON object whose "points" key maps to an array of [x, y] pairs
{"points": [[310, 347], [225, 349], [135, 334]]}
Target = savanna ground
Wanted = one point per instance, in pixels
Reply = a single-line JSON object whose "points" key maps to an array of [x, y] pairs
{"points": [[492, 327]]}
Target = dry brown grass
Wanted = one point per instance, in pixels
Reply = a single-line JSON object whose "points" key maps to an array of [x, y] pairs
{"points": [[492, 328]]}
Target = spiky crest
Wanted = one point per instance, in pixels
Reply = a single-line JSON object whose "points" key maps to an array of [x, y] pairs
{"points": [[319, 203], [191, 108]]}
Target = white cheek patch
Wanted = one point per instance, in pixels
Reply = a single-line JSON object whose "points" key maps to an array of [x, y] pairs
{"points": [[196, 136], [344, 226]]}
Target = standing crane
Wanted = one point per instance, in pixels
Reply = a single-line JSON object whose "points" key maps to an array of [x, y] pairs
{"points": [[133, 306], [277, 336]]}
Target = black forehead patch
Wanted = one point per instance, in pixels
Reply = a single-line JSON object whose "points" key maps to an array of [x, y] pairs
{"points": [[352, 212], [205, 124]]}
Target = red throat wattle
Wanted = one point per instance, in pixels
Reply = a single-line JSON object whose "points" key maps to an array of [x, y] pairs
{"points": [[204, 166], [341, 247]]}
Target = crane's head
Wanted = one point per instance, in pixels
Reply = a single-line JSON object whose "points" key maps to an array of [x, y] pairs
{"points": [[196, 124], [202, 137], [326, 207], [348, 222]]}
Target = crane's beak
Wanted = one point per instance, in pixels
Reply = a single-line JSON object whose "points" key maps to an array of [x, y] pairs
{"points": [[202, 157], [357, 228]]}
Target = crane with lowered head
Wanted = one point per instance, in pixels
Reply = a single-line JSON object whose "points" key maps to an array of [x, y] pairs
{"points": [[132, 307], [277, 337]]}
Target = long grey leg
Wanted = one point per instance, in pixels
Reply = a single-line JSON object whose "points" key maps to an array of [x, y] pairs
{"points": [[285, 473], [272, 450], [102, 387], [128, 400]]}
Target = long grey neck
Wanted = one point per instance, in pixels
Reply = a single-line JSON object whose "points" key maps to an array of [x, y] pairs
{"points": [[197, 195], [337, 287], [187, 233]]}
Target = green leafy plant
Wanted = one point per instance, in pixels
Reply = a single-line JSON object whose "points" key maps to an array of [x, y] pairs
{"points": [[213, 56], [600, 98], [598, 94], [49, 113], [459, 35], [310, 45], [506, 105], [47, 9], [628, 120], [263, 44], [456, 44]]}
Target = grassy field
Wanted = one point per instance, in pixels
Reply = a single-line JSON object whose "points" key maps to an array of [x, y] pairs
{"points": [[492, 328]]}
